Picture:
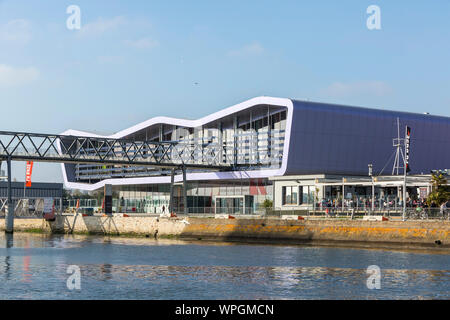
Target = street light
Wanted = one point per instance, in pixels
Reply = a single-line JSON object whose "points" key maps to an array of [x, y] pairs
{"points": [[373, 187]]}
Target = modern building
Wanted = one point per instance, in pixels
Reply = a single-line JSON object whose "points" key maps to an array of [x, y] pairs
{"points": [[269, 142]]}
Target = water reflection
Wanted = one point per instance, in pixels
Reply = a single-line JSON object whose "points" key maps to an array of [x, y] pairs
{"points": [[282, 282], [9, 243], [106, 271], [7, 267], [26, 263], [9, 240], [35, 267]]}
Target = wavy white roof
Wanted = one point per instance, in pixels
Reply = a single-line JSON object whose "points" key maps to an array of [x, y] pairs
{"points": [[263, 173]]}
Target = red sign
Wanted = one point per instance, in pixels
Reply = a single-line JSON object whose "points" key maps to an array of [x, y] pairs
{"points": [[262, 188], [257, 187], [28, 172]]}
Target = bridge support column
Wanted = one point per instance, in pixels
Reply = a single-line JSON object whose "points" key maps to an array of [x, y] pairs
{"points": [[185, 191], [9, 223], [172, 181]]}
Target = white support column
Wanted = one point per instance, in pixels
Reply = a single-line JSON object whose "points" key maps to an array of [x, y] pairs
{"points": [[373, 195], [185, 191], [172, 180]]}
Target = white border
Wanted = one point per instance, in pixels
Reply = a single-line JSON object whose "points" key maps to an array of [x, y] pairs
{"points": [[263, 173]]}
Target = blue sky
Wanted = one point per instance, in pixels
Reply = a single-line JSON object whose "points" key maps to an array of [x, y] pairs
{"points": [[132, 60]]}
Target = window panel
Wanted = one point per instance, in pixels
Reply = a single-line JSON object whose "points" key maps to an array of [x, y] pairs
{"points": [[290, 195]]}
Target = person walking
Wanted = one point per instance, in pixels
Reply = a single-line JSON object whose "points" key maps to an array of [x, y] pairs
{"points": [[442, 210]]}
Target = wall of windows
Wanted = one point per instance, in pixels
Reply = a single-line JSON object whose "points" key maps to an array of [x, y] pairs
{"points": [[296, 193], [290, 195], [154, 199], [253, 138]]}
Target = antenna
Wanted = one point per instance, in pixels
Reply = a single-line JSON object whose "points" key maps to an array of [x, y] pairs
{"points": [[398, 143]]}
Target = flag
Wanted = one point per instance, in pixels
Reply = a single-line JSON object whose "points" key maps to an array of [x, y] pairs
{"points": [[28, 171], [407, 148]]}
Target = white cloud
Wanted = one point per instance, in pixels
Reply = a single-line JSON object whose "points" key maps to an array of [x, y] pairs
{"points": [[252, 49], [11, 76], [100, 26], [143, 43], [16, 31], [342, 89]]}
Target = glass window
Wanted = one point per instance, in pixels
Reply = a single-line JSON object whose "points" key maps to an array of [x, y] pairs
{"points": [[290, 195], [305, 194]]}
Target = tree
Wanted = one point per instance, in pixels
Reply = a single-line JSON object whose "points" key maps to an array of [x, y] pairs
{"points": [[267, 204], [67, 194], [440, 192], [97, 195]]}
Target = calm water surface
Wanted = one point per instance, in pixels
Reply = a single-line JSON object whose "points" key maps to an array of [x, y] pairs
{"points": [[35, 267]]}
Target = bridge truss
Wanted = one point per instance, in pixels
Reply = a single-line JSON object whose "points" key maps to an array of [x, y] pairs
{"points": [[23, 146]]}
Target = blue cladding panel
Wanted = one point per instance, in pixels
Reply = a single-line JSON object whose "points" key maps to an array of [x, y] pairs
{"points": [[337, 139]]}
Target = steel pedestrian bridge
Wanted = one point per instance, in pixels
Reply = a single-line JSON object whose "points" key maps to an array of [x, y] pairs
{"points": [[22, 146]]}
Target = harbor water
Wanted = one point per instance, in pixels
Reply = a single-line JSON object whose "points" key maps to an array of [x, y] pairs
{"points": [[38, 266]]}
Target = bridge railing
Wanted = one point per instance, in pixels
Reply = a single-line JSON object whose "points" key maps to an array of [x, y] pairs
{"points": [[61, 148]]}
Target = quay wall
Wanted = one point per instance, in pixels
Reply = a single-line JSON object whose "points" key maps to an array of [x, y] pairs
{"points": [[101, 225], [407, 232], [271, 230]]}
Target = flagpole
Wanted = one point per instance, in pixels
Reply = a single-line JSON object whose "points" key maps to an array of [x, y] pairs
{"points": [[405, 168], [25, 181]]}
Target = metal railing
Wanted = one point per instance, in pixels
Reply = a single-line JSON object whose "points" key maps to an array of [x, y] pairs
{"points": [[34, 208], [428, 214], [354, 213], [27, 208]]}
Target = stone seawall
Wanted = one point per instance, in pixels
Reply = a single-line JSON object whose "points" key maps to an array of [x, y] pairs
{"points": [[409, 232], [102, 225]]}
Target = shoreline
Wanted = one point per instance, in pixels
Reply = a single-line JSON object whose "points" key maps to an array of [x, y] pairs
{"points": [[386, 246], [429, 235]]}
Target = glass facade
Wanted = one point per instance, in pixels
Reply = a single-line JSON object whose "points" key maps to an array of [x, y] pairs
{"points": [[297, 195], [252, 139], [249, 139], [242, 196]]}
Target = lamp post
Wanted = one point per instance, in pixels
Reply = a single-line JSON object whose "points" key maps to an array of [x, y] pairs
{"points": [[373, 186], [343, 193]]}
